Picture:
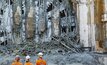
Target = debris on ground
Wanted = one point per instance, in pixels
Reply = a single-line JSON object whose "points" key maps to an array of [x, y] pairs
{"points": [[63, 59]]}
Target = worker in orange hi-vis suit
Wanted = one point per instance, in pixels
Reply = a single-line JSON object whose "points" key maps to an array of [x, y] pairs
{"points": [[16, 61], [40, 60], [28, 60]]}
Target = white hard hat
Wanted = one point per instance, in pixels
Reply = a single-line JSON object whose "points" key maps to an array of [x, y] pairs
{"points": [[17, 56], [40, 54], [27, 57]]}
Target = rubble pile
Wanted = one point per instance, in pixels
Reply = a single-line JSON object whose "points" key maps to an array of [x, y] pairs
{"points": [[52, 29], [59, 44], [62, 59], [68, 58], [60, 51]]}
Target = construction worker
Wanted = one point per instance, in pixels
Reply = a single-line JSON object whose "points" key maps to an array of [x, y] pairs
{"points": [[17, 61], [40, 60], [28, 60]]}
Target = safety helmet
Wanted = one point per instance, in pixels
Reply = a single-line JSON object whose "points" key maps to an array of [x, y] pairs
{"points": [[40, 54], [17, 56], [27, 57]]}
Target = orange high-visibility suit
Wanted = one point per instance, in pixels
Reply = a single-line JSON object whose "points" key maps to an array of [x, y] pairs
{"points": [[40, 62], [28, 63], [16, 63]]}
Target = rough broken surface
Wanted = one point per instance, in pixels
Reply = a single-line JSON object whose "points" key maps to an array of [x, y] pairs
{"points": [[64, 50], [63, 59]]}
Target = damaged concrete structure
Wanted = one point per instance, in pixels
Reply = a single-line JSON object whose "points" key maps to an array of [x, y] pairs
{"points": [[100, 21], [93, 26], [62, 29], [41, 20], [38, 21], [86, 22], [6, 23]]}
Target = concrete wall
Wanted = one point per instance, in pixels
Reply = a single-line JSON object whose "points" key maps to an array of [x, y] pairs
{"points": [[86, 23], [31, 19], [83, 23]]}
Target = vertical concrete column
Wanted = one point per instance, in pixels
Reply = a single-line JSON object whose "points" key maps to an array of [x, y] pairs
{"points": [[83, 22], [92, 23], [104, 19], [105, 3], [36, 21], [6, 17], [86, 23], [17, 21], [30, 24], [49, 26], [105, 11], [23, 20]]}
